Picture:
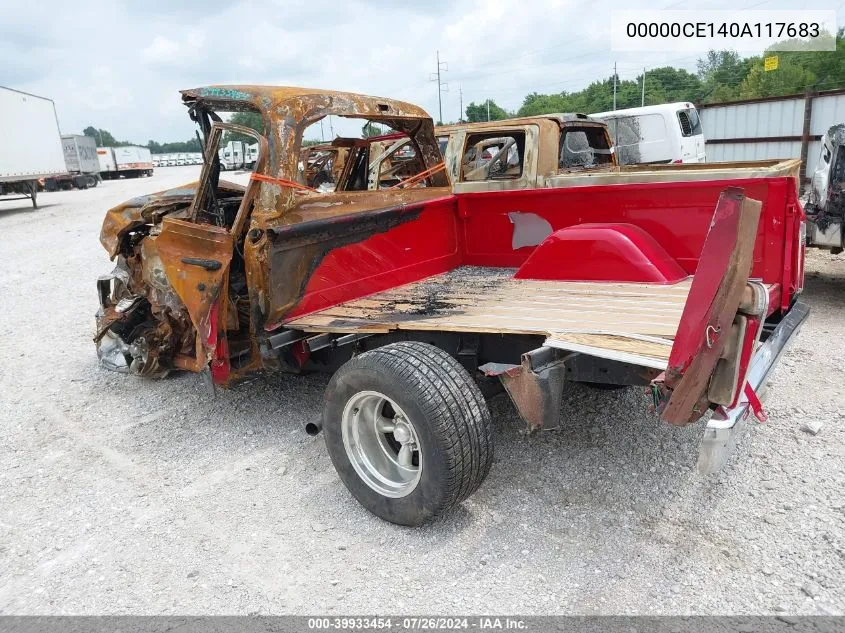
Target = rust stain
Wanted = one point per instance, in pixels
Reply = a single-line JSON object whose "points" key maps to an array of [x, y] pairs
{"points": [[211, 257]]}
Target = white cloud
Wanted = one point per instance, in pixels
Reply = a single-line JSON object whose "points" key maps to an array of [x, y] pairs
{"points": [[161, 49], [119, 64]]}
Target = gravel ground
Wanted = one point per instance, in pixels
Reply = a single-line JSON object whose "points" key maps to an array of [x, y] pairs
{"points": [[120, 495]]}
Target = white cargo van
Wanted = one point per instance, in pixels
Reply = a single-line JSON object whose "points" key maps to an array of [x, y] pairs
{"points": [[667, 133]]}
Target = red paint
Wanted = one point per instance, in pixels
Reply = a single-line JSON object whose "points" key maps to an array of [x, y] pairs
{"points": [[601, 252], [697, 315], [474, 229], [752, 328], [409, 252], [676, 215], [301, 353], [219, 365], [754, 404]]}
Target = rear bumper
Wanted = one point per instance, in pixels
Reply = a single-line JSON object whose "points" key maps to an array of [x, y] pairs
{"points": [[727, 424]]}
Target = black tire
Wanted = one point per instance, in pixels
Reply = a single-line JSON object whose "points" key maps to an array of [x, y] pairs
{"points": [[447, 411], [91, 181]]}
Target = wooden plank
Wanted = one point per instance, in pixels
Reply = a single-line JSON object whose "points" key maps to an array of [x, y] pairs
{"points": [[611, 354], [638, 320], [503, 322], [406, 302], [619, 343], [515, 312]]}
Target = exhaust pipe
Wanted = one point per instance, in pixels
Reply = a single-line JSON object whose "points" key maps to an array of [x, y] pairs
{"points": [[314, 426]]}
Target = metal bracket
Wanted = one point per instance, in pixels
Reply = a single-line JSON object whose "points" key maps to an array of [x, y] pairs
{"points": [[468, 351], [285, 338], [314, 342], [535, 386]]}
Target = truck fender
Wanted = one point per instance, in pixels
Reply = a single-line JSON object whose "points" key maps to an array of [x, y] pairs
{"points": [[601, 252]]}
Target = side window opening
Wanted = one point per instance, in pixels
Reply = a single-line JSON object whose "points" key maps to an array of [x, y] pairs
{"points": [[686, 126], [585, 147], [690, 122], [359, 163], [493, 156], [400, 163], [319, 168], [442, 142]]}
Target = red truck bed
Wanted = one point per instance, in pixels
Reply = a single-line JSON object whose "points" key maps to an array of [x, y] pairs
{"points": [[634, 322]]}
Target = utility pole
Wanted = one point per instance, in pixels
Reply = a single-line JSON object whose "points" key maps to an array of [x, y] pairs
{"points": [[461, 95], [488, 110], [614, 85], [642, 101], [441, 86]]}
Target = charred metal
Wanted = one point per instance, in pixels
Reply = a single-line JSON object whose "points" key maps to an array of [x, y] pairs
{"points": [[211, 264]]}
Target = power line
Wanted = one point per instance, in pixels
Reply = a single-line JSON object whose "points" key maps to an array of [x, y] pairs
{"points": [[441, 66]]}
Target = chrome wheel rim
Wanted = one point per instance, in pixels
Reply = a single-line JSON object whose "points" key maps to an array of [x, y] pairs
{"points": [[381, 444]]}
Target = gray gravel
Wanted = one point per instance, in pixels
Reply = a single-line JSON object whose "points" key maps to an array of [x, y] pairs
{"points": [[120, 495]]}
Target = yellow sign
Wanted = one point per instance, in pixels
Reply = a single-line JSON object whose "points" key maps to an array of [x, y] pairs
{"points": [[770, 63]]}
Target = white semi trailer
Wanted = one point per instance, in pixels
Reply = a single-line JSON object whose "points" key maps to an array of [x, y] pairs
{"points": [[32, 146], [105, 157], [128, 161], [82, 161]]}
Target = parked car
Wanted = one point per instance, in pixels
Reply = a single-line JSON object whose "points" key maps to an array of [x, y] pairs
{"points": [[667, 133], [511, 273]]}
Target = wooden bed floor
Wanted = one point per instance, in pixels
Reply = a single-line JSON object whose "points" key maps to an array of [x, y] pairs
{"points": [[633, 322]]}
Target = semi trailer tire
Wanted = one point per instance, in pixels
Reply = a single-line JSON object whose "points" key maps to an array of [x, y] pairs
{"points": [[408, 431], [91, 181]]}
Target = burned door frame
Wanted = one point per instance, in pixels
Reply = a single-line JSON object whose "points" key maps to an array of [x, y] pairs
{"points": [[197, 257]]}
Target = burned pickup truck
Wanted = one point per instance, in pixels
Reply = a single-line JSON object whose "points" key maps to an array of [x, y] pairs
{"points": [[423, 297], [825, 199]]}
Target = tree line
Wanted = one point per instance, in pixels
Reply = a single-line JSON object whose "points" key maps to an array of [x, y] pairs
{"points": [[104, 138], [720, 76]]}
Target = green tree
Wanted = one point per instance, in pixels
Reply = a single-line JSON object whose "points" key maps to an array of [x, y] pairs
{"points": [[721, 73], [191, 145], [103, 137], [478, 112], [790, 77], [668, 84], [248, 119], [370, 129], [536, 103], [827, 66]]}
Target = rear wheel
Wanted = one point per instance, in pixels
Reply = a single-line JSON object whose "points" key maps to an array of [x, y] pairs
{"points": [[91, 181], [408, 431]]}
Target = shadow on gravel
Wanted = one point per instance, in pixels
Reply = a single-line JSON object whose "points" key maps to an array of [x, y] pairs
{"points": [[825, 288], [612, 464], [23, 206]]}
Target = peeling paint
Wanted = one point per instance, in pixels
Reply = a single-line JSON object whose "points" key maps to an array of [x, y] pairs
{"points": [[529, 229]]}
